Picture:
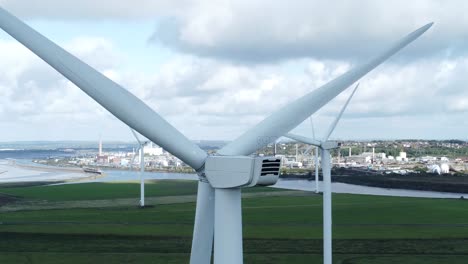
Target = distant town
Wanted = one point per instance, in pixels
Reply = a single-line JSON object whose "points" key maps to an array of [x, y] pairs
{"points": [[383, 157], [401, 157]]}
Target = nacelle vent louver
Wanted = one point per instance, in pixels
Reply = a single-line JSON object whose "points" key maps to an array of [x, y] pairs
{"points": [[271, 167]]}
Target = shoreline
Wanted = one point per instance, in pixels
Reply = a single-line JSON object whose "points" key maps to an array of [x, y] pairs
{"points": [[444, 184], [28, 174], [134, 168], [46, 168]]}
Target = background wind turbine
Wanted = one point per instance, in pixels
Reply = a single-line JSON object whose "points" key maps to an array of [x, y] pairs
{"points": [[316, 161], [325, 147], [218, 209], [274, 147], [141, 154]]}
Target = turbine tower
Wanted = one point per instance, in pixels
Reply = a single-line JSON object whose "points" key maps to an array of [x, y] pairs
{"points": [[221, 176], [141, 154], [325, 147], [316, 161]]}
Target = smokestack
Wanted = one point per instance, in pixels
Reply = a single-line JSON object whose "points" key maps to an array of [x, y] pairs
{"points": [[339, 156], [373, 155], [350, 151], [100, 146], [296, 153]]}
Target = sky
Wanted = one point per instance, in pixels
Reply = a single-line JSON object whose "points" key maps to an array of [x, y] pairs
{"points": [[215, 69]]}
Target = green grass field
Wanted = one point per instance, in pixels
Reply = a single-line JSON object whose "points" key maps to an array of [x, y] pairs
{"points": [[282, 228], [97, 191]]}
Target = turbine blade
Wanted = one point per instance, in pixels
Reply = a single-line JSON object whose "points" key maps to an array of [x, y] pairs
{"points": [[290, 116], [136, 136], [307, 150], [303, 139], [121, 103], [337, 119]]}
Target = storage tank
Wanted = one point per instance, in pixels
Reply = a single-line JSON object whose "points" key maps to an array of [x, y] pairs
{"points": [[444, 168], [435, 169]]}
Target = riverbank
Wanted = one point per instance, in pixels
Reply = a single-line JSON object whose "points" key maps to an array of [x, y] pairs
{"points": [[387, 185], [62, 164], [20, 174], [412, 181], [45, 168]]}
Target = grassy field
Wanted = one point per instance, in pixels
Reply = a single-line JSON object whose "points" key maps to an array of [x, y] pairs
{"points": [[282, 227], [97, 191]]}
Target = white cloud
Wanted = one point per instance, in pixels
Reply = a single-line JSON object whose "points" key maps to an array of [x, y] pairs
{"points": [[32, 92], [89, 9], [263, 31], [215, 99], [213, 90]]}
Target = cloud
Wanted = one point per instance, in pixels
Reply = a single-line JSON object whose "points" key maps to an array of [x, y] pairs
{"points": [[243, 96], [237, 62], [207, 98], [265, 31], [268, 31], [32, 91], [88, 9]]}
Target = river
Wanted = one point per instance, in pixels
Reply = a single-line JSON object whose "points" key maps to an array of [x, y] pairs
{"points": [[18, 174]]}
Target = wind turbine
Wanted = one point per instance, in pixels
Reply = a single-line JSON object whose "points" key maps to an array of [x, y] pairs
{"points": [[218, 207], [142, 166], [325, 146], [316, 158]]}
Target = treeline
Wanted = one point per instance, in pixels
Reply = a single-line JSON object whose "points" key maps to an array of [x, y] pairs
{"points": [[434, 148], [438, 151]]}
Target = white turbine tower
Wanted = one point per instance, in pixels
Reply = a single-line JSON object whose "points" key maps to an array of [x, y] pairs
{"points": [[141, 154], [325, 147], [218, 208], [316, 162]]}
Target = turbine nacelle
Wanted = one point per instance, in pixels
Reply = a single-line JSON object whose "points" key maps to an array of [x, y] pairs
{"points": [[241, 171]]}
